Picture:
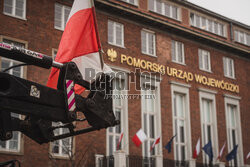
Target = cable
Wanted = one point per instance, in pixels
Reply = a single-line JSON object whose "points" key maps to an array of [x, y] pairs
{"points": [[18, 65]]}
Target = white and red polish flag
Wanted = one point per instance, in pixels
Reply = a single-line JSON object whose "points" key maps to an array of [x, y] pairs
{"points": [[248, 156], [139, 137], [80, 42], [197, 149], [221, 151], [119, 142], [157, 141]]}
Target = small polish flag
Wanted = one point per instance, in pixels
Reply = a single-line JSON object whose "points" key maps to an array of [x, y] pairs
{"points": [[248, 155], [197, 149], [119, 142], [139, 137], [157, 141], [221, 151]]}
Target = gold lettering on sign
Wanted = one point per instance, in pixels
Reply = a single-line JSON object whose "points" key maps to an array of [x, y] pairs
{"points": [[173, 72]]}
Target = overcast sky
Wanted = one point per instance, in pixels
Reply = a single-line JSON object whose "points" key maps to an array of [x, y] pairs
{"points": [[238, 10]]}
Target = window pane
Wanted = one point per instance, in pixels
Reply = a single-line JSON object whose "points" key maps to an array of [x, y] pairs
{"points": [[192, 18], [8, 5], [118, 34], [2, 144], [58, 15], [215, 28], [197, 18], [66, 15], [182, 153], [110, 145], [210, 26], [173, 51], [143, 41], [158, 6], [118, 117], [167, 10], [151, 5], [151, 126], [209, 133], [182, 133], [151, 43], [19, 7], [55, 147], [174, 12], [180, 52], [203, 23]]}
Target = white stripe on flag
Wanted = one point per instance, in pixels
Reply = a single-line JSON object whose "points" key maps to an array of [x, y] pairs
{"points": [[80, 5], [141, 135]]}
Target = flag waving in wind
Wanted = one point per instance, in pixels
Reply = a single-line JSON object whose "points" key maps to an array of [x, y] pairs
{"points": [[139, 137], [157, 141], [232, 155], [80, 41], [119, 142], [197, 149], [221, 151], [169, 144], [208, 150]]}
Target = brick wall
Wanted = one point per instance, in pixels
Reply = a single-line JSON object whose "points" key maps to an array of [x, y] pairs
{"points": [[41, 36]]}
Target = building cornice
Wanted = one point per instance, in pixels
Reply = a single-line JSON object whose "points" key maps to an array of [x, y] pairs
{"points": [[144, 18]]}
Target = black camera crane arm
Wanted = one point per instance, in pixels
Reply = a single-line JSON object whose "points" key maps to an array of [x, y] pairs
{"points": [[42, 105]]}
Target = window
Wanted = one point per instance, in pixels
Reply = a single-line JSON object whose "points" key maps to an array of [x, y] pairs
{"points": [[16, 8], [242, 37], [164, 8], [178, 52], [63, 147], [204, 60], [148, 42], [181, 121], [61, 16], [120, 110], [12, 145], [115, 33], [207, 24], [151, 124], [228, 65], [208, 121], [134, 2], [234, 128]]}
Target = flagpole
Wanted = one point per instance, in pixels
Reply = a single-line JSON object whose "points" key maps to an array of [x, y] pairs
{"points": [[98, 37]]}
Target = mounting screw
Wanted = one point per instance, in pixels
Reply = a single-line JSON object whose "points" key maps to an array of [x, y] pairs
{"points": [[72, 115], [73, 65], [8, 135], [78, 76]]}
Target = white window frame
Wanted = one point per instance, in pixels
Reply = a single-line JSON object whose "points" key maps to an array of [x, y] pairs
{"points": [[60, 154], [123, 121], [128, 1], [176, 54], [226, 67], [13, 12], [206, 28], [156, 113], [114, 25], [210, 96], [183, 89], [234, 101], [63, 22], [238, 33], [147, 32], [163, 12], [201, 55]]}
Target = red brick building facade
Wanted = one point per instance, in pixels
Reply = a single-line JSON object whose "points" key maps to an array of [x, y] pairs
{"points": [[200, 60]]}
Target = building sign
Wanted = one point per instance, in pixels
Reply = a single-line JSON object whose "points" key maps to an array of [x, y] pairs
{"points": [[172, 72]]}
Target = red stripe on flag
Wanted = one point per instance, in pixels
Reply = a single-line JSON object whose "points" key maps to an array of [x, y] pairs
{"points": [[136, 140], [79, 38]]}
